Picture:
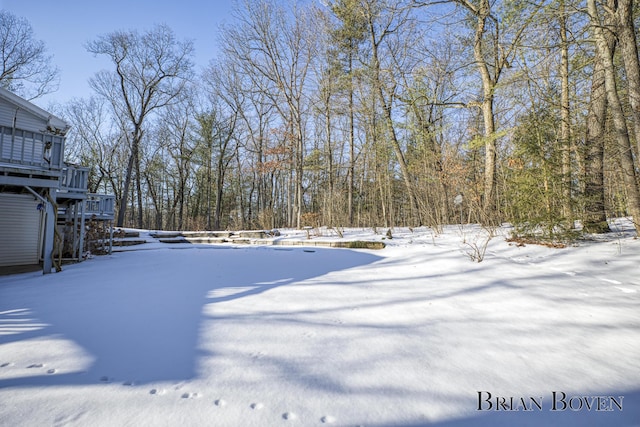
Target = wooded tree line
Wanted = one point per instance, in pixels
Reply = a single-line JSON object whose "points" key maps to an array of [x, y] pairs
{"points": [[373, 113]]}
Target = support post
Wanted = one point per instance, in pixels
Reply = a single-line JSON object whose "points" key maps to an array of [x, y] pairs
{"points": [[83, 203], [49, 236], [49, 228]]}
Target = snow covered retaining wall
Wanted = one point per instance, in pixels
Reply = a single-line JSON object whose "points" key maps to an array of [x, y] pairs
{"points": [[259, 237]]}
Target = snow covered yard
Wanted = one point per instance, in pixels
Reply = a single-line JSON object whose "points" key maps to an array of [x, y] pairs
{"points": [[415, 334]]}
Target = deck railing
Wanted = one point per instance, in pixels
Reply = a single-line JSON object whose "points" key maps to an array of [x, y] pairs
{"points": [[31, 149], [75, 179], [100, 206]]}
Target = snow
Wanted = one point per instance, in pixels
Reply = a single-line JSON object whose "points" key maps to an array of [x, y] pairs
{"points": [[259, 335]]}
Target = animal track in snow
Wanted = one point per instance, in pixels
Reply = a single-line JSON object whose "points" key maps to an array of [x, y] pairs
{"points": [[289, 416], [220, 402], [190, 395], [328, 419], [68, 419], [5, 365], [257, 406], [51, 371], [157, 392], [35, 365]]}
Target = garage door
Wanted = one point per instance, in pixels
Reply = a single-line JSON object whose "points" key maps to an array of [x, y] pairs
{"points": [[20, 222]]}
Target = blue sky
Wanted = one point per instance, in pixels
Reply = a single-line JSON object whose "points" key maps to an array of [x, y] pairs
{"points": [[66, 25]]}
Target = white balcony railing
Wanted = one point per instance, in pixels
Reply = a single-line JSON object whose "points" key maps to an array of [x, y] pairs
{"points": [[100, 206], [31, 149]]}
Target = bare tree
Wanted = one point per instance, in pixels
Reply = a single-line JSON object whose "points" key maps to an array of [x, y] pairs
{"points": [[347, 36], [429, 91], [565, 113], [257, 117], [217, 125], [96, 141], [25, 67], [603, 30], [273, 43], [176, 127], [595, 215], [629, 48], [385, 20], [151, 69], [354, 111], [495, 42]]}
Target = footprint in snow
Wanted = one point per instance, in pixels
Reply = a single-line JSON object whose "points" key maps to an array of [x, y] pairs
{"points": [[190, 395], [158, 392], [289, 416], [4, 365], [257, 406], [51, 371], [35, 365], [328, 419], [220, 402]]}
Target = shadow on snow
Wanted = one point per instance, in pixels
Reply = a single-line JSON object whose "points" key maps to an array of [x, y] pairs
{"points": [[138, 315]]}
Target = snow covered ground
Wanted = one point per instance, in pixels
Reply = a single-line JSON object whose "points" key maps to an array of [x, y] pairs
{"points": [[416, 334]]}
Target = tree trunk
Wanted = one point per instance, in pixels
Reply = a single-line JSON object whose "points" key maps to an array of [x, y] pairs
{"points": [[565, 119], [139, 190], [122, 210], [619, 121], [490, 155], [629, 50], [300, 175], [352, 144], [595, 218], [395, 144], [330, 166], [488, 89], [219, 193]]}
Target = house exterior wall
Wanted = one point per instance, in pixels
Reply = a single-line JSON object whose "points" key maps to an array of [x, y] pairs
{"points": [[29, 136], [20, 229], [12, 115], [31, 164], [37, 188]]}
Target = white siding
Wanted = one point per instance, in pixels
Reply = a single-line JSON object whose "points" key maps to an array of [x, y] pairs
{"points": [[20, 225], [7, 112], [24, 119]]}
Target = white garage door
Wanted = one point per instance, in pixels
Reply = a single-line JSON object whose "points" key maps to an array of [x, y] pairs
{"points": [[20, 223]]}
